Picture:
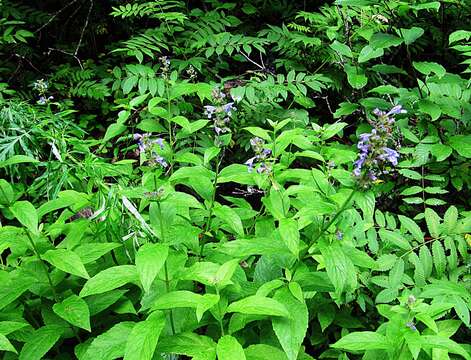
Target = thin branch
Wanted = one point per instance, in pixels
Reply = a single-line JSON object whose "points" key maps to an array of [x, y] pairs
{"points": [[67, 53], [55, 15], [84, 27]]}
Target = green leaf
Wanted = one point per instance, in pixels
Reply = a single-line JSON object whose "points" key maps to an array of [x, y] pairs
{"points": [[228, 348], [461, 144], [259, 132], [440, 151], [396, 273], [439, 342], [230, 217], [17, 159], [67, 261], [111, 344], [74, 310], [225, 272], [110, 279], [356, 77], [143, 338], [412, 227], [427, 68], [459, 35], [439, 259], [341, 49], [196, 346], [433, 222], [384, 41], [40, 342], [5, 344], [14, 287], [264, 352], [291, 332], [430, 108], [93, 251], [412, 34], [345, 108], [113, 131], [450, 219], [149, 260], [26, 214], [289, 233], [363, 340], [395, 238], [340, 268], [259, 305], [368, 53]]}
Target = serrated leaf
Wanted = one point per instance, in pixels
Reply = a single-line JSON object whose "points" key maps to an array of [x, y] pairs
{"points": [[433, 222], [439, 259], [412, 227], [289, 233]]}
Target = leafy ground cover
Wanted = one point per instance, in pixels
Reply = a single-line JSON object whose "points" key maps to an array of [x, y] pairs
{"points": [[235, 180]]}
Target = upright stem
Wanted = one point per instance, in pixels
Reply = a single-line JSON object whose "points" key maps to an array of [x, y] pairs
{"points": [[327, 226], [46, 270], [211, 208], [167, 281], [49, 280], [221, 325]]}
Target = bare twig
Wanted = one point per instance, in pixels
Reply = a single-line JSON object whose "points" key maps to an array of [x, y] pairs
{"points": [[55, 15], [67, 53], [83, 29]]}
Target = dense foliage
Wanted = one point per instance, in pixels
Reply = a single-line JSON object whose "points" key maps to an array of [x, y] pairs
{"points": [[236, 180]]}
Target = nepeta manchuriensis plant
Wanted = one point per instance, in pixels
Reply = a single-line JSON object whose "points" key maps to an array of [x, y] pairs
{"points": [[379, 149]]}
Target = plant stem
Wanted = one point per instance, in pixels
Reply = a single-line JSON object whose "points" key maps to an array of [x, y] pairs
{"points": [[221, 325], [167, 281], [327, 226], [211, 207], [46, 270]]}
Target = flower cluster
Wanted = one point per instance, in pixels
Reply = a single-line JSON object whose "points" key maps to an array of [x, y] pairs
{"points": [[165, 65], [146, 145], [220, 112], [262, 156], [41, 87], [378, 149]]}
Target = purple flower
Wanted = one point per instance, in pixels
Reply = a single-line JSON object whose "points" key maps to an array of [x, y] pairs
{"points": [[339, 235], [391, 155], [209, 111], [160, 142], [411, 326], [396, 110], [250, 163], [160, 160], [376, 154], [228, 108]]}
